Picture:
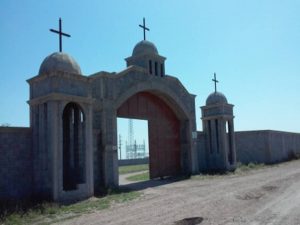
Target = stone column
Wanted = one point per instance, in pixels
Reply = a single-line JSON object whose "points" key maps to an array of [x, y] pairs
{"points": [[223, 141], [54, 156], [207, 140], [110, 154], [232, 140], [193, 146], [213, 136], [89, 163], [186, 154]]}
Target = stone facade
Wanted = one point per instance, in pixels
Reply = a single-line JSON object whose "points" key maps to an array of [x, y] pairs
{"points": [[116, 89], [70, 150], [71, 145], [50, 93]]}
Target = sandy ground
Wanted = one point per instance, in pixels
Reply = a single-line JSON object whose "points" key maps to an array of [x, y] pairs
{"points": [[265, 196]]}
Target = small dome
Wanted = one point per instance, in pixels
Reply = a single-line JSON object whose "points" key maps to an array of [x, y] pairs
{"points": [[216, 98], [59, 61], [144, 47]]}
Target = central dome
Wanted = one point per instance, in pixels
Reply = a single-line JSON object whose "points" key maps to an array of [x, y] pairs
{"points": [[59, 61], [144, 47], [216, 98]]}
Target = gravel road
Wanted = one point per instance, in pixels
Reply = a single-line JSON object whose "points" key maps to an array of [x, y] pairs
{"points": [[266, 196]]}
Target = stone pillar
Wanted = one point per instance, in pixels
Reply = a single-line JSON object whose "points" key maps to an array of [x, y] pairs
{"points": [[207, 151], [223, 140], [188, 152], [232, 147], [89, 163], [110, 153], [213, 137], [53, 144]]}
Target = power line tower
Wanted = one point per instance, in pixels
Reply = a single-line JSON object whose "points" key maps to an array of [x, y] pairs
{"points": [[134, 150], [130, 132], [130, 142]]}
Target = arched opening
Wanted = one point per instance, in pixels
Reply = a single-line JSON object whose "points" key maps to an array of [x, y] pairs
{"points": [[229, 142], [73, 147], [133, 150], [163, 130]]}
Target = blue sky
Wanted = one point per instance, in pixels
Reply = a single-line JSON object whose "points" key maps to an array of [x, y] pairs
{"points": [[253, 46]]}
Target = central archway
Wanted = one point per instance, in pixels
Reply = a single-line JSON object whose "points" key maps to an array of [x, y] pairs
{"points": [[164, 132]]}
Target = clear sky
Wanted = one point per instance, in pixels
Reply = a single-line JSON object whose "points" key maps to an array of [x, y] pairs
{"points": [[253, 46]]}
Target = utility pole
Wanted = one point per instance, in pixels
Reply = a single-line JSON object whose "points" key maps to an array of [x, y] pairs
{"points": [[135, 149], [120, 145]]}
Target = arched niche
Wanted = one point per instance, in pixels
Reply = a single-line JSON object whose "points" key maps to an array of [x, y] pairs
{"points": [[73, 121]]}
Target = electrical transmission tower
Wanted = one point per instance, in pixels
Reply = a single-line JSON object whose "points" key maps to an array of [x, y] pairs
{"points": [[134, 150], [130, 132]]}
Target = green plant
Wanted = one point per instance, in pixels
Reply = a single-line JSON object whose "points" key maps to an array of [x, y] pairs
{"points": [[133, 168], [139, 177], [47, 213]]}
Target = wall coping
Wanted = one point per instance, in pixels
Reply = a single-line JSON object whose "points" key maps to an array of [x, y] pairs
{"points": [[15, 129], [266, 131]]}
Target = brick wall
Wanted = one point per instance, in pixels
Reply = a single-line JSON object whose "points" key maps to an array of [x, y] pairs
{"points": [[15, 163]]}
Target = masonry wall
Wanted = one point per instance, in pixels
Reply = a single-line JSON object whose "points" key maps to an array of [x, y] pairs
{"points": [[15, 163], [283, 145], [266, 146]]}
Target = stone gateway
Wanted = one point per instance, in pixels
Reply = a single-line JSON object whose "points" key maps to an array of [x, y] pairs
{"points": [[70, 150]]}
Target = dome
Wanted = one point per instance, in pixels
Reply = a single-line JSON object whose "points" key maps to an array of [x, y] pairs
{"points": [[216, 98], [59, 61], [144, 47]]}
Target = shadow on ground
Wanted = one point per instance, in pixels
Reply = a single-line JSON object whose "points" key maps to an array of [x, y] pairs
{"points": [[137, 186]]}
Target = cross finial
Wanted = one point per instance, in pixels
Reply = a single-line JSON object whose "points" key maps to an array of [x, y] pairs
{"points": [[216, 81], [60, 33], [144, 28]]}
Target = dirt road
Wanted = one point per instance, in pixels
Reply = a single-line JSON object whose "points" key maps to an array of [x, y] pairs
{"points": [[265, 196]]}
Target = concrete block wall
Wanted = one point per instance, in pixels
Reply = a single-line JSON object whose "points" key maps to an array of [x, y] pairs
{"points": [[252, 146], [15, 163], [266, 146], [283, 145]]}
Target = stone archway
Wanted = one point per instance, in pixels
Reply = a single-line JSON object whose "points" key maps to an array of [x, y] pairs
{"points": [[120, 96], [164, 132]]}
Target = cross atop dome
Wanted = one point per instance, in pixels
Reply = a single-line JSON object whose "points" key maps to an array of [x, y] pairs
{"points": [[144, 28], [215, 81], [60, 33]]}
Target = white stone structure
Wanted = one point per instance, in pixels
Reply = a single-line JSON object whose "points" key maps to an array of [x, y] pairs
{"points": [[218, 128], [61, 121], [74, 122]]}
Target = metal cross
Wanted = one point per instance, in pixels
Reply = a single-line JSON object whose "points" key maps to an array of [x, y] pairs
{"points": [[216, 81], [60, 33], [144, 28]]}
